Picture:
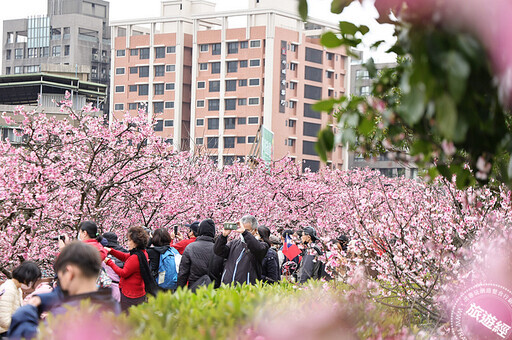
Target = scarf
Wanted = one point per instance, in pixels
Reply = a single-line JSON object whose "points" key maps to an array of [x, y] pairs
{"points": [[150, 285]]}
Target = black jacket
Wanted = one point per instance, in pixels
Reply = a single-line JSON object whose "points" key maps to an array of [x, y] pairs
{"points": [[310, 266], [270, 267], [154, 259], [243, 259], [195, 260]]}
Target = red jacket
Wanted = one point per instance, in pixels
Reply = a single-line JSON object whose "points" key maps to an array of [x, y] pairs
{"points": [[181, 245], [131, 282], [97, 245]]}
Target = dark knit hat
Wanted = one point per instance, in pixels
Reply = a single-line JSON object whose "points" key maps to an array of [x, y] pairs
{"points": [[194, 226], [110, 237], [206, 228]]}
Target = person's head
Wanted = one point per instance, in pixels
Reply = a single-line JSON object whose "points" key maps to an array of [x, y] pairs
{"points": [[138, 238], [77, 267], [342, 242], [89, 230], [308, 235], [275, 241], [206, 228], [111, 239], [287, 233], [250, 223], [264, 233], [27, 274], [161, 237], [193, 229]]}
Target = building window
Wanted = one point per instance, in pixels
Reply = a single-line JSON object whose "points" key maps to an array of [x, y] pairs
{"points": [[251, 139], [32, 53], [66, 50], [293, 85], [214, 86], [253, 120], [203, 66], [364, 90], [132, 106], [199, 141], [254, 101], [329, 55], [244, 44], [169, 105], [143, 89], [292, 104], [120, 53], [310, 113], [330, 92], [362, 74], [203, 47], [201, 84], [134, 51], [120, 70], [159, 52], [312, 92], [243, 63], [169, 86], [134, 70], [132, 88], [144, 53], [158, 107], [293, 47], [159, 70], [171, 49], [119, 107], [229, 123], [242, 82], [213, 105], [308, 148], [10, 37], [242, 101], [329, 74], [18, 69], [293, 66], [18, 53], [200, 103], [242, 120], [313, 73], [159, 89], [254, 82], [213, 123], [159, 126], [56, 51], [254, 63], [216, 49], [120, 88], [8, 54], [200, 122], [169, 123], [143, 71], [215, 67], [240, 140], [213, 142], [232, 47], [232, 66], [230, 85], [230, 104], [314, 55], [311, 129], [255, 43], [291, 123], [7, 70], [229, 142], [170, 68]]}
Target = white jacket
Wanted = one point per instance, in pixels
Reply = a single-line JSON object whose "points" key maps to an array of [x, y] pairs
{"points": [[10, 300]]}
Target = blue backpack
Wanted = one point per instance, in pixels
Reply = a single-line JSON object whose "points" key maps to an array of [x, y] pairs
{"points": [[168, 269]]}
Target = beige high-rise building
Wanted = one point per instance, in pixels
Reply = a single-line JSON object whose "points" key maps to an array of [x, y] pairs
{"points": [[216, 78]]}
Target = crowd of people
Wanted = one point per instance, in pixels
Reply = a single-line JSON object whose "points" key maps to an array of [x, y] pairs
{"points": [[98, 268]]}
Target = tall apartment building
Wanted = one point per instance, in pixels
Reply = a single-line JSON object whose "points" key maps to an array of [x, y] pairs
{"points": [[71, 39], [215, 77], [361, 85]]}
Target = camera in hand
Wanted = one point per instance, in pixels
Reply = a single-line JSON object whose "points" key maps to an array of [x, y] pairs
{"points": [[230, 225], [60, 237]]}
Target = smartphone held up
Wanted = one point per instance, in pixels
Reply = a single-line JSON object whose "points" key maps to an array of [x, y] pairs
{"points": [[230, 225]]}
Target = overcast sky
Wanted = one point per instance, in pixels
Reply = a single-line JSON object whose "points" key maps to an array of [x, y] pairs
{"points": [[128, 9]]}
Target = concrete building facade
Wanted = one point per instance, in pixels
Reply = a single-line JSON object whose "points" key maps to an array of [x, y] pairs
{"points": [[72, 38], [215, 79], [361, 85]]}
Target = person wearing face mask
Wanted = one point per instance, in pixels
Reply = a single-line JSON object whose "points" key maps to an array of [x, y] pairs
{"points": [[77, 268], [243, 255], [23, 277]]}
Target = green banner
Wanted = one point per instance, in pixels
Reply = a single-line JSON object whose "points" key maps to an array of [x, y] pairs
{"points": [[267, 144]]}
